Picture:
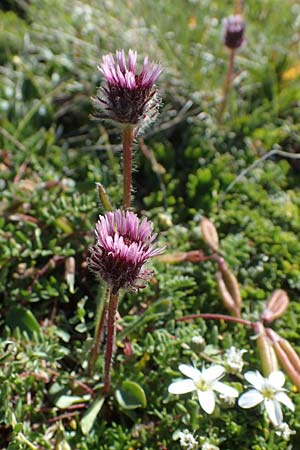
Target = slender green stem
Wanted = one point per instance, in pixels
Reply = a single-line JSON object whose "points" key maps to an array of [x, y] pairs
{"points": [[111, 330], [101, 313], [24, 440], [127, 139]]}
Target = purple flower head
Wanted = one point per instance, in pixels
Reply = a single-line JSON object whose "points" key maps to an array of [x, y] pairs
{"points": [[127, 97], [234, 30], [124, 244]]}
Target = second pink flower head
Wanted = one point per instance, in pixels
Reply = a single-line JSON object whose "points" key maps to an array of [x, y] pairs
{"points": [[124, 244]]}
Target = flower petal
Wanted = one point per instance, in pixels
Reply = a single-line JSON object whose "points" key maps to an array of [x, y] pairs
{"points": [[276, 379], [182, 387], [213, 372], [274, 411], [207, 400], [255, 379], [190, 371], [283, 398], [250, 399], [224, 389]]}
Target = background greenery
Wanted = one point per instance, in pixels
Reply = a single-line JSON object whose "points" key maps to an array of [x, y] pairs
{"points": [[51, 156]]}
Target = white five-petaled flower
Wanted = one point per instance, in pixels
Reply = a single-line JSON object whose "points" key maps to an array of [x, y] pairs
{"points": [[269, 391], [204, 382], [234, 359]]}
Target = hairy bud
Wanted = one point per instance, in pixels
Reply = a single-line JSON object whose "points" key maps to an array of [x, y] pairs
{"points": [[209, 234], [276, 306], [266, 351], [286, 355], [229, 290]]}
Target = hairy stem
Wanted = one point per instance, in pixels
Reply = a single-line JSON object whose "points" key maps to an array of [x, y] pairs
{"points": [[101, 313], [127, 140], [111, 330]]}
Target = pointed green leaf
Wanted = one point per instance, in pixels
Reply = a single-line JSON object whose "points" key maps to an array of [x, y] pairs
{"points": [[90, 415]]}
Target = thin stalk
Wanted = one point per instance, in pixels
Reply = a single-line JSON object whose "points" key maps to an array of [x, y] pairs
{"points": [[227, 82], [111, 331], [217, 317], [238, 7], [127, 140], [101, 313]]}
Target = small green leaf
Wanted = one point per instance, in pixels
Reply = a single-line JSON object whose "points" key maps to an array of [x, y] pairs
{"points": [[90, 415], [131, 395], [23, 319], [65, 401]]}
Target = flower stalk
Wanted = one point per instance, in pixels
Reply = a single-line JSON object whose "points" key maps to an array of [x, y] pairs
{"points": [[111, 331], [101, 313], [127, 141], [208, 316], [227, 82]]}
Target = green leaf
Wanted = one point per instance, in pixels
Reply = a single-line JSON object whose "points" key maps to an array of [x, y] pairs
{"points": [[22, 318], [131, 395], [90, 415], [65, 401]]}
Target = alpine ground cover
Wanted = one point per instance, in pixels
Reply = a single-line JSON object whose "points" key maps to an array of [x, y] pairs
{"points": [[233, 162]]}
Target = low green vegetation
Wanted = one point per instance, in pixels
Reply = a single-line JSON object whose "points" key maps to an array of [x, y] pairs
{"points": [[239, 168]]}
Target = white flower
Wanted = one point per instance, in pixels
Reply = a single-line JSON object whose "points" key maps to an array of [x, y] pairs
{"points": [[234, 359], [187, 440], [270, 392], [284, 431], [205, 382], [209, 446]]}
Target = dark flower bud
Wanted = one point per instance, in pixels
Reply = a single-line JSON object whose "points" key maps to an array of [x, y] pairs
{"points": [[234, 30]]}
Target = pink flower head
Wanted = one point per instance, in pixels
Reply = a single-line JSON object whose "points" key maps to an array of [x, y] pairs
{"points": [[127, 97], [234, 30], [124, 244]]}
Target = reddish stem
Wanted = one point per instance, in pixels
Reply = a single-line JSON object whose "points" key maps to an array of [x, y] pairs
{"points": [[216, 317], [111, 330], [227, 82], [20, 172], [63, 416], [127, 138], [51, 264]]}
